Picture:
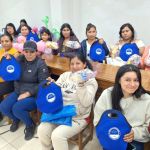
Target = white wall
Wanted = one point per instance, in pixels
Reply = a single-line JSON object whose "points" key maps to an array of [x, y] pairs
{"points": [[31, 10], [107, 15]]}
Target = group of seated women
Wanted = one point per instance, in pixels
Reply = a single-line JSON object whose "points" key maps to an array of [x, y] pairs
{"points": [[127, 95], [130, 49]]}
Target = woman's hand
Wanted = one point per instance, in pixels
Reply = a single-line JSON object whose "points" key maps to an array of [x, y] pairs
{"points": [[101, 40], [24, 95], [129, 137], [6, 55], [50, 80]]}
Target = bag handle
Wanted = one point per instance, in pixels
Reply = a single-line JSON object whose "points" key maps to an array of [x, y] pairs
{"points": [[134, 45], [112, 111], [44, 83], [4, 58]]}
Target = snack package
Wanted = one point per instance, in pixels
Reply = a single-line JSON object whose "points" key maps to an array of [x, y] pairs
{"points": [[83, 75], [134, 59], [114, 51], [73, 44]]}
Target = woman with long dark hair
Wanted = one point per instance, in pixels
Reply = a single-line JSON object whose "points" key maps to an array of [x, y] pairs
{"points": [[22, 99], [11, 30], [128, 96], [68, 42]]}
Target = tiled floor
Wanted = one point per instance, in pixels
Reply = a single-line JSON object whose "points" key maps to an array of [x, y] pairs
{"points": [[15, 141]]}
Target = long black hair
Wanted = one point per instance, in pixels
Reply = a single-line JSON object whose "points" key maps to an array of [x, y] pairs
{"points": [[117, 93], [66, 25], [82, 59], [130, 27], [13, 26], [72, 35]]}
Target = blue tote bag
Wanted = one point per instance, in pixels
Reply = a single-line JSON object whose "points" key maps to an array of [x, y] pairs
{"points": [[10, 69], [63, 116], [32, 37], [110, 130], [128, 50], [49, 97], [97, 52]]}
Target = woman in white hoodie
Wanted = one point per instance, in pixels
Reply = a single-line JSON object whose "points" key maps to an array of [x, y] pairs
{"points": [[128, 96], [76, 91]]}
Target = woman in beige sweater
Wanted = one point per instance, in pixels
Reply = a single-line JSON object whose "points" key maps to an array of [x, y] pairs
{"points": [[75, 91], [128, 96]]}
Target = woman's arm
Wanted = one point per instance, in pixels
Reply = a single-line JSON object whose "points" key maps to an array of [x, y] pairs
{"points": [[141, 132], [141, 46], [102, 104], [104, 45], [141, 49], [100, 107], [62, 78], [42, 73], [86, 92]]}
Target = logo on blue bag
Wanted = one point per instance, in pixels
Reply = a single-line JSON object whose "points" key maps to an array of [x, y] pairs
{"points": [[50, 97], [114, 133], [129, 51], [10, 69], [31, 38], [98, 51]]}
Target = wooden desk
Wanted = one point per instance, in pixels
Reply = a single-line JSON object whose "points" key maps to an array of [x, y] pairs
{"points": [[105, 73], [57, 65]]}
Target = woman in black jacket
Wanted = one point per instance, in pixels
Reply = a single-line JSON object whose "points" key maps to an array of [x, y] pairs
{"points": [[19, 103]]}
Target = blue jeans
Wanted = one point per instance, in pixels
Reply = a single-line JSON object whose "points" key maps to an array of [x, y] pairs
{"points": [[18, 110]]}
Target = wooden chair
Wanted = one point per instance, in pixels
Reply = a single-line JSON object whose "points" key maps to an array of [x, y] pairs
{"points": [[147, 146], [86, 135], [36, 115]]}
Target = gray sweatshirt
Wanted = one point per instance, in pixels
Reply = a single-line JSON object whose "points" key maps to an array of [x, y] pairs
{"points": [[136, 111]]}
